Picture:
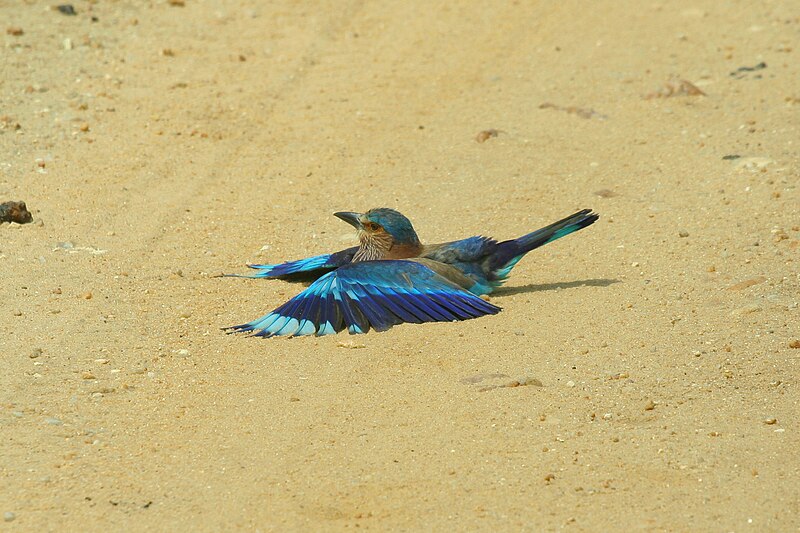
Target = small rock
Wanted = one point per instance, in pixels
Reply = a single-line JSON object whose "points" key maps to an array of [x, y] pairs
{"points": [[350, 345], [771, 421], [101, 361], [68, 44], [87, 295], [67, 9], [650, 405], [8, 516], [16, 312], [35, 353], [485, 135], [15, 212], [683, 233], [570, 383], [87, 375], [15, 31], [795, 344], [53, 421], [183, 352]]}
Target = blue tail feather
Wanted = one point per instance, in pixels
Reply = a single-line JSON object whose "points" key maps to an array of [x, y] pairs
{"points": [[510, 252]]}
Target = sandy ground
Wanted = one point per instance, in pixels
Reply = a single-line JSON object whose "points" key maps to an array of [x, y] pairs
{"points": [[159, 145]]}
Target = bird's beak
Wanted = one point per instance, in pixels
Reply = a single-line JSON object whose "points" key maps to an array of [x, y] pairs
{"points": [[354, 219]]}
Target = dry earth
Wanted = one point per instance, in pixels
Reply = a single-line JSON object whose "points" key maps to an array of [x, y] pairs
{"points": [[159, 144]]}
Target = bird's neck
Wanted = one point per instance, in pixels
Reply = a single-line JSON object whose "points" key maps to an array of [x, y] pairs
{"points": [[373, 247], [376, 246]]}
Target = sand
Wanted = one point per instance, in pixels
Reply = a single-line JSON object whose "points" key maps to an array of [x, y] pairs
{"points": [[162, 144]]}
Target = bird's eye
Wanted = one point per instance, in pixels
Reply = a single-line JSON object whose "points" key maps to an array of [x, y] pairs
{"points": [[371, 226]]}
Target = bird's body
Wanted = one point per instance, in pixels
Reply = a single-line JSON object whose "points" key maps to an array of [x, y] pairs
{"points": [[391, 277]]}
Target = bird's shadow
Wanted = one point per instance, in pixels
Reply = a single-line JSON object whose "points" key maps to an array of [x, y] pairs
{"points": [[537, 287]]}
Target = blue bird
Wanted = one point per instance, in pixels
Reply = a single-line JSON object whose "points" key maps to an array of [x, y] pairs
{"points": [[391, 277]]}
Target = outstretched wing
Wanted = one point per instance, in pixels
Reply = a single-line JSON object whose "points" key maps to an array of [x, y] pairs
{"points": [[307, 269], [371, 294]]}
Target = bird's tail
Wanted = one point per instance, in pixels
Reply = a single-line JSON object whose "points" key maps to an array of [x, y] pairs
{"points": [[510, 252]]}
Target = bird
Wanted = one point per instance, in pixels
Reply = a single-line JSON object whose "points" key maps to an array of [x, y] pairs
{"points": [[392, 278]]}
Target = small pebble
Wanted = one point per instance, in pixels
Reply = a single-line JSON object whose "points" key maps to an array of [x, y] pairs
{"points": [[53, 421], [15, 31], [570, 383], [101, 361], [683, 233], [35, 353], [650, 405], [350, 345], [66, 9], [771, 421], [183, 352], [87, 375], [485, 135], [87, 295], [795, 344], [8, 516]]}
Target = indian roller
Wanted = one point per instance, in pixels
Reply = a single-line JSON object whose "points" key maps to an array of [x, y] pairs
{"points": [[391, 277]]}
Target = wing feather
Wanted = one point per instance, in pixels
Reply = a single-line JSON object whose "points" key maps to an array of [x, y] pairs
{"points": [[370, 294]]}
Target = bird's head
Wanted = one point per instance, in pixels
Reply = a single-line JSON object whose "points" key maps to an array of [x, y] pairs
{"points": [[381, 227]]}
